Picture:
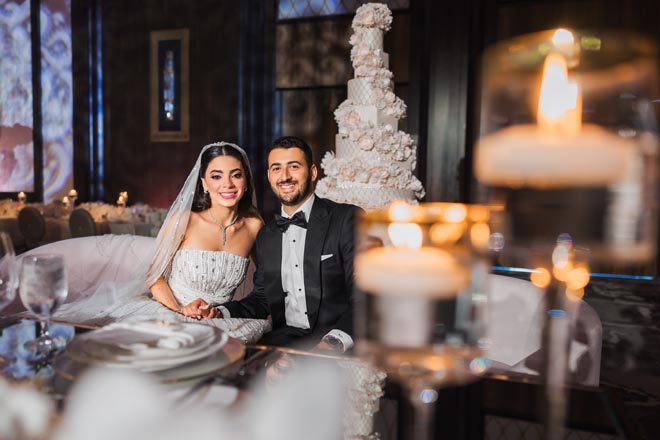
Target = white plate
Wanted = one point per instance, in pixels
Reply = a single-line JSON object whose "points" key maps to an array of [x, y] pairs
{"points": [[69, 369], [98, 348]]}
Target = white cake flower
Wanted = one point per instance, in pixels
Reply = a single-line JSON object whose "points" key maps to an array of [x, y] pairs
{"points": [[373, 15]]}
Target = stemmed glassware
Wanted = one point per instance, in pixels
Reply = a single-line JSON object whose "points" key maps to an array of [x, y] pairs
{"points": [[8, 277], [43, 288], [420, 300], [567, 158], [8, 271]]}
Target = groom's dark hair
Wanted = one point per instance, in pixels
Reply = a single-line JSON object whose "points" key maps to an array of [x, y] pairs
{"points": [[294, 142]]}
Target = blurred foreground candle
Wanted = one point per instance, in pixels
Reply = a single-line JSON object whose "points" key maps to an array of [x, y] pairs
{"points": [[121, 201], [21, 198], [73, 193], [558, 151], [415, 270], [408, 277], [567, 144], [65, 201], [124, 195]]}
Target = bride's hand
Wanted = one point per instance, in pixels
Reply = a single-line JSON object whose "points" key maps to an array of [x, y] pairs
{"points": [[209, 312], [196, 309]]}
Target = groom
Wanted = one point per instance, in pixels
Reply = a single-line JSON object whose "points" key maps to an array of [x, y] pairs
{"points": [[304, 275]]}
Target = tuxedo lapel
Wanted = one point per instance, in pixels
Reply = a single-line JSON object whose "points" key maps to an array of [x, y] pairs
{"points": [[272, 261], [317, 230]]}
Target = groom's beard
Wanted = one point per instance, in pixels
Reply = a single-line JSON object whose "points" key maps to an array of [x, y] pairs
{"points": [[294, 198]]}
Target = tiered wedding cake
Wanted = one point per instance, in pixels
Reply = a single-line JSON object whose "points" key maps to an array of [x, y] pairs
{"points": [[374, 161]]}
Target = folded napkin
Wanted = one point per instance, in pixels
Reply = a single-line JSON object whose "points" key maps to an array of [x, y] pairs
{"points": [[148, 334], [149, 341]]}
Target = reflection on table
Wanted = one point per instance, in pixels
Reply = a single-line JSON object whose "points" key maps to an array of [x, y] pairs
{"points": [[273, 387], [268, 385]]}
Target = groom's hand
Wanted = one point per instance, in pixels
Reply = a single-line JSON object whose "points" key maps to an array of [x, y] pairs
{"points": [[195, 309], [209, 312]]}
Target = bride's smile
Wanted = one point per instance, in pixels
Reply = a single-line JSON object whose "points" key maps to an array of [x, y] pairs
{"points": [[225, 181]]}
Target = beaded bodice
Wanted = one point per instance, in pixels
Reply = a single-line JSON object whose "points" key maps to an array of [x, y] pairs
{"points": [[210, 275]]}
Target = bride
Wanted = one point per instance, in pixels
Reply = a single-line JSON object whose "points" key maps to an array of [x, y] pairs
{"points": [[202, 251]]}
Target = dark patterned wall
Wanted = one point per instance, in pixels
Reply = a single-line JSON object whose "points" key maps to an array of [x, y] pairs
{"points": [[153, 172]]}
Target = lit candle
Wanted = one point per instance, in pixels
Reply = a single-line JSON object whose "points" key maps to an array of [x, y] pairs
{"points": [[557, 151], [73, 193], [121, 201], [406, 278], [65, 201], [21, 197], [409, 270], [124, 195]]}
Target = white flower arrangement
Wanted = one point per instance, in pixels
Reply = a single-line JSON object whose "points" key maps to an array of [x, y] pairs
{"points": [[26, 413], [378, 77], [347, 118], [373, 15], [362, 55], [357, 170], [390, 144]]}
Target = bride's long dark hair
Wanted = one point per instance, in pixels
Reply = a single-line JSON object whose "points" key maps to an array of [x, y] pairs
{"points": [[202, 200]]}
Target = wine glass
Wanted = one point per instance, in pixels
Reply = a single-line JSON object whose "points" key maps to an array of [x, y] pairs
{"points": [[420, 273], [568, 154], [8, 271], [8, 279], [43, 288]]}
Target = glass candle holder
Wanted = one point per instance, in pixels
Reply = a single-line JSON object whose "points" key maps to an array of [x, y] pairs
{"points": [[567, 159], [569, 142], [420, 273]]}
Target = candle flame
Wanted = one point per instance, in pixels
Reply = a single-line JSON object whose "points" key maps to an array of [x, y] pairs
{"points": [[560, 101], [480, 235], [562, 37], [578, 278], [540, 277], [405, 235], [400, 211], [456, 213]]}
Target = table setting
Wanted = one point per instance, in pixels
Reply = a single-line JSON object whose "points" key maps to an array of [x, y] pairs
{"points": [[171, 351]]}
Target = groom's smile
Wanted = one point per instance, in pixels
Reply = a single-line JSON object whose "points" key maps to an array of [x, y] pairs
{"points": [[290, 176]]}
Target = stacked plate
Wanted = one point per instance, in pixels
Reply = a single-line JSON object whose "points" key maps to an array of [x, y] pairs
{"points": [[171, 351]]}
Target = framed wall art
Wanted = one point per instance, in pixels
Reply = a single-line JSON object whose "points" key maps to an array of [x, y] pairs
{"points": [[169, 86]]}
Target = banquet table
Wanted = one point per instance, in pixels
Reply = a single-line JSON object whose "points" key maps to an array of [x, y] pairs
{"points": [[497, 404], [9, 224], [57, 228]]}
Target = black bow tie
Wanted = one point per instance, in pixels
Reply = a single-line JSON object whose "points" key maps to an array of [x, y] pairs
{"points": [[298, 219]]}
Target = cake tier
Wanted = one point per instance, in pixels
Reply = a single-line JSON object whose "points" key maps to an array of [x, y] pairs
{"points": [[363, 91], [370, 57], [346, 148], [372, 37], [380, 174], [366, 196], [369, 114]]}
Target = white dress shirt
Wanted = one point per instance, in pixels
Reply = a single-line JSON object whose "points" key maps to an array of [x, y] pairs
{"points": [[293, 275]]}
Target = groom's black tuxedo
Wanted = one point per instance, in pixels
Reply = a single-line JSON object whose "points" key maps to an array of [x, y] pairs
{"points": [[328, 272]]}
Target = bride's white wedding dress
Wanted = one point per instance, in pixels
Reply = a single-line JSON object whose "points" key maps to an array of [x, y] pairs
{"points": [[109, 276], [103, 287]]}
